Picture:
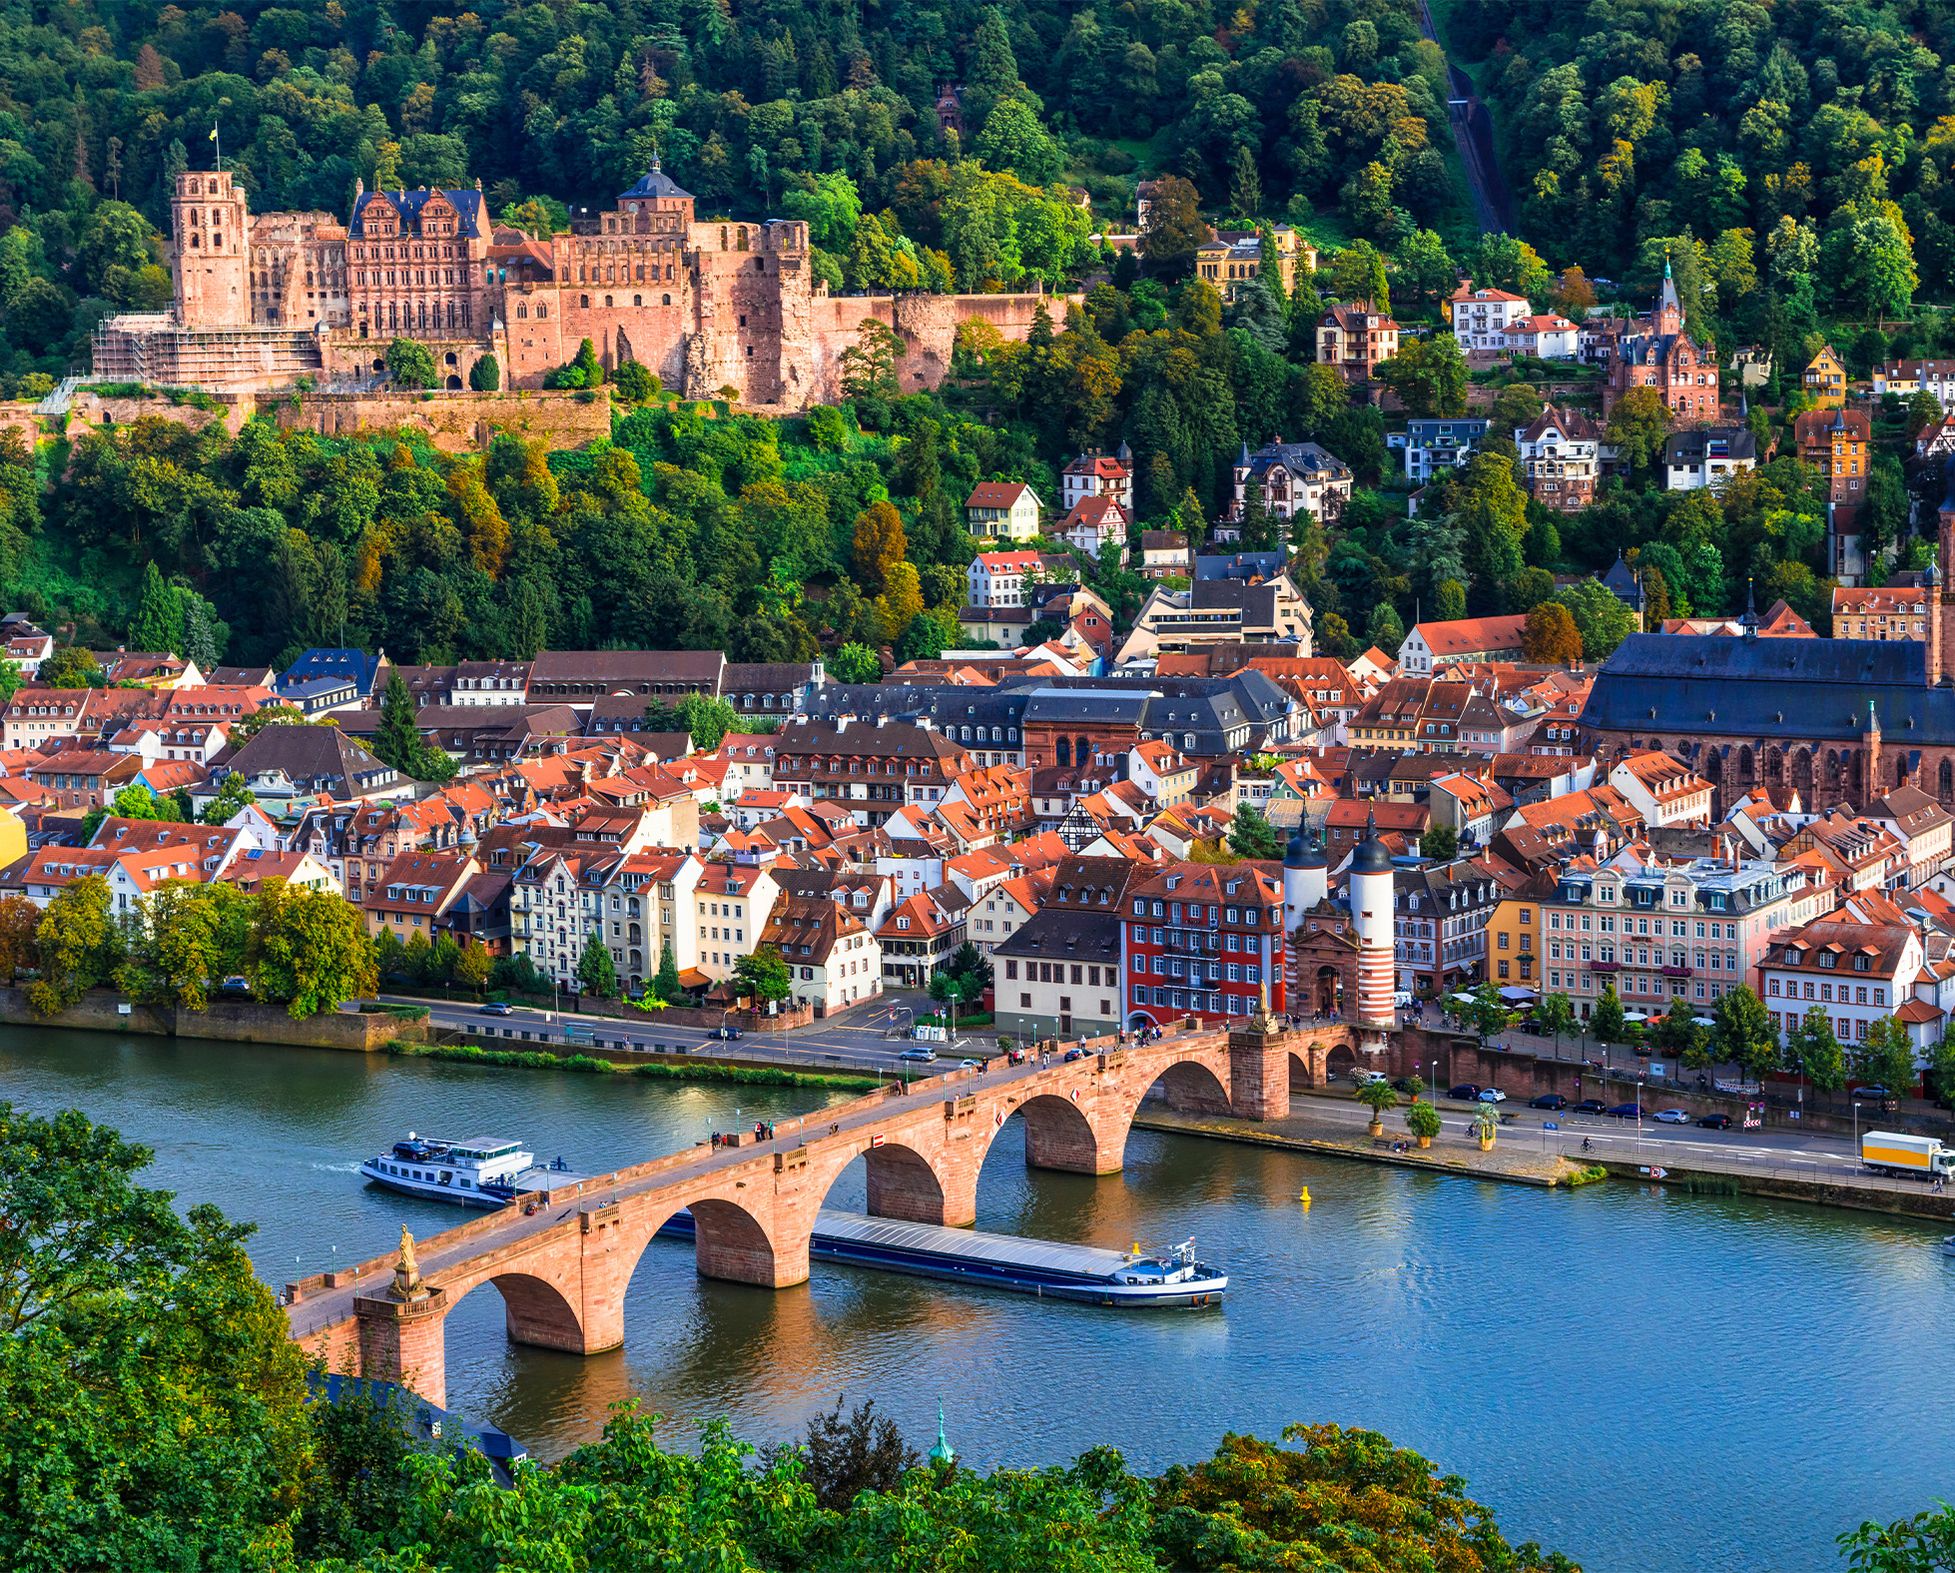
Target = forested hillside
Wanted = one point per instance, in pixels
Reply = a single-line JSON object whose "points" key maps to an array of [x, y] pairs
{"points": [[826, 111], [1812, 139]]}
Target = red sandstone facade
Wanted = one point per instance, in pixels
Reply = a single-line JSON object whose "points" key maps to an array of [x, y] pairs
{"points": [[713, 307]]}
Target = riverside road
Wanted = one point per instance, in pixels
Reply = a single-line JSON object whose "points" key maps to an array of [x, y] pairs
{"points": [[870, 1038]]}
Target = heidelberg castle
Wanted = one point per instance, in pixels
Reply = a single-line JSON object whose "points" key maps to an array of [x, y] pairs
{"points": [[264, 300]]}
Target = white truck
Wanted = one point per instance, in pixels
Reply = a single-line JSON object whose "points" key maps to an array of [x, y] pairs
{"points": [[1894, 1153]]}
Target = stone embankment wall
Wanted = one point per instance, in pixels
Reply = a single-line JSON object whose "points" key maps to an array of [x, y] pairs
{"points": [[228, 1021], [455, 422], [451, 422]]}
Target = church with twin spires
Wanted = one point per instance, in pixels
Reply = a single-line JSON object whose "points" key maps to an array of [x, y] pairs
{"points": [[268, 302]]}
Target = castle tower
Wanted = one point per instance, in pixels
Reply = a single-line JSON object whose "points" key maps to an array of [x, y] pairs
{"points": [[212, 223], [1306, 880], [1371, 922]]}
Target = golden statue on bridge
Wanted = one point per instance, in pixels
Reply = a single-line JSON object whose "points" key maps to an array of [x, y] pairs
{"points": [[407, 1272]]}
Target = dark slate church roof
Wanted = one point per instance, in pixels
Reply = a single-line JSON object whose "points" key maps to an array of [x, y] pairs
{"points": [[1797, 690]]}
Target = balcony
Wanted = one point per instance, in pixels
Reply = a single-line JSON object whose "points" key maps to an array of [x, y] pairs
{"points": [[1605, 966], [1676, 972]]}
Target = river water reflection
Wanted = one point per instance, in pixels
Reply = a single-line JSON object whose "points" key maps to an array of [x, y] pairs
{"points": [[1652, 1383]]}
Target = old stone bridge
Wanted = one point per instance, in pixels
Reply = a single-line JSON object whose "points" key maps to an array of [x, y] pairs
{"points": [[563, 1266]]}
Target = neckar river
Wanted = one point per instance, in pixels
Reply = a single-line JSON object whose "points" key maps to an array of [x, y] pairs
{"points": [[1651, 1383]]}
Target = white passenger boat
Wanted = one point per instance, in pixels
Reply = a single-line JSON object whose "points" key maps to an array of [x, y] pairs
{"points": [[480, 1172]]}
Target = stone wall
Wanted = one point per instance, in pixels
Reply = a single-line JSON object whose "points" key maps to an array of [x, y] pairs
{"points": [[227, 1021], [20, 417], [455, 422], [927, 324], [90, 408]]}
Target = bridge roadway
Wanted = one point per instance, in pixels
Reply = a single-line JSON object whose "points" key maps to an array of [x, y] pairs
{"points": [[563, 1265]]}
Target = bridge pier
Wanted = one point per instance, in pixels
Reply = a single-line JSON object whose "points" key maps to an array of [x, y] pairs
{"points": [[1059, 1136], [901, 1185], [403, 1341], [1259, 1072]]}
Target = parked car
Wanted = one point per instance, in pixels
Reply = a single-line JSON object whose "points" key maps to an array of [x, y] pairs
{"points": [[1363, 1078], [726, 1033], [1876, 1094], [1466, 1092], [1404, 1084], [1715, 1122], [498, 1008], [1402, 998], [970, 1065], [1625, 1111], [1549, 1100], [1492, 1095], [1591, 1106], [1672, 1116], [1074, 1054], [919, 1056]]}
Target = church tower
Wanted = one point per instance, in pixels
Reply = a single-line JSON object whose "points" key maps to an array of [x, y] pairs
{"points": [[1669, 309], [213, 253]]}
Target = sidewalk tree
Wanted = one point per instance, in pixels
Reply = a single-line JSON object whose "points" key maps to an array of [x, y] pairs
{"points": [[1606, 1020], [1378, 1096], [77, 945], [309, 950], [666, 985], [596, 972], [1554, 1016], [1941, 1064], [1488, 1014], [1813, 1051], [1885, 1057], [1744, 1033], [472, 967], [1679, 1035], [444, 955], [762, 976], [1423, 1121]]}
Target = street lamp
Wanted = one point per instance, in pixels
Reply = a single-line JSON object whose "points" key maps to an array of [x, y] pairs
{"points": [[1856, 1135]]}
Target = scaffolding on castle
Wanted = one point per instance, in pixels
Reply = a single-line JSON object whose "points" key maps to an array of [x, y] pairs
{"points": [[154, 349]]}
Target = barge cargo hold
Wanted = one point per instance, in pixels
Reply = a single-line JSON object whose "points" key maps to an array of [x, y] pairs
{"points": [[1049, 1269]]}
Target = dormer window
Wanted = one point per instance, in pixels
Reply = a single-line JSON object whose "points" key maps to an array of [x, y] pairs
{"points": [[1828, 959]]}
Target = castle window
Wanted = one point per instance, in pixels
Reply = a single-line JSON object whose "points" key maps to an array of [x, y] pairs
{"points": [[638, 300], [584, 300], [607, 302], [760, 264], [522, 311], [543, 311], [665, 300]]}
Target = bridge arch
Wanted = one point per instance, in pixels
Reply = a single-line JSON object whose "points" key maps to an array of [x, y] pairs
{"points": [[903, 1182], [1060, 1133], [536, 1311], [1340, 1060]]}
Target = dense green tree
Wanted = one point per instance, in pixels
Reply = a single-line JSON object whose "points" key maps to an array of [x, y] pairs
{"points": [[1744, 1033], [1811, 1050], [597, 973], [762, 975], [1251, 835], [151, 1401], [411, 364]]}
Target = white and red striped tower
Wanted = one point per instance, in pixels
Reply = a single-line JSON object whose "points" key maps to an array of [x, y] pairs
{"points": [[1370, 892]]}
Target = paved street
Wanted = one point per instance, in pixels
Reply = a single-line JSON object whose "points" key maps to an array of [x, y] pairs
{"points": [[867, 1038], [1809, 1153]]}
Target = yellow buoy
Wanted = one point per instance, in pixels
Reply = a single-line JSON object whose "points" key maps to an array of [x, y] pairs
{"points": [[1304, 1197]]}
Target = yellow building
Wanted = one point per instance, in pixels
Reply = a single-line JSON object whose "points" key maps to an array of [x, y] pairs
{"points": [[1233, 257], [13, 838], [1825, 380], [1513, 943]]}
